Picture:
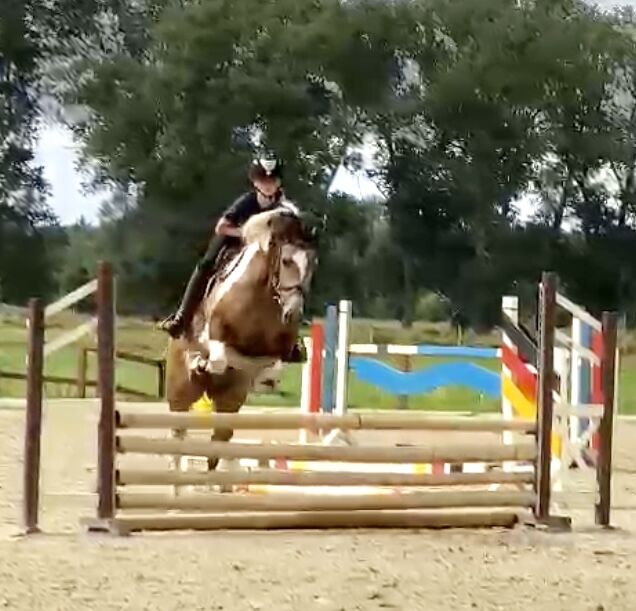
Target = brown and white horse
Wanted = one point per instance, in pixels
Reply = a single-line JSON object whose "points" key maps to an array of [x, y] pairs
{"points": [[248, 320]]}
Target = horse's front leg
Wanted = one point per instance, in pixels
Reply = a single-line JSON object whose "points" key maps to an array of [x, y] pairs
{"points": [[207, 355], [210, 359], [182, 390], [228, 393]]}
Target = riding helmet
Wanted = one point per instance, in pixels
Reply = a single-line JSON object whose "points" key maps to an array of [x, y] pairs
{"points": [[264, 167]]}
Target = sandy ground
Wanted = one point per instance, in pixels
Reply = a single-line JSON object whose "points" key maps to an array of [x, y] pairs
{"points": [[66, 569]]}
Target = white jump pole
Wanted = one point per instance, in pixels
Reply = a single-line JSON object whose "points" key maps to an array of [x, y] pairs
{"points": [[305, 392], [342, 356], [577, 389]]}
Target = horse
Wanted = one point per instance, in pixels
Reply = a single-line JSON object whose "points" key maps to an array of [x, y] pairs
{"points": [[248, 319]]}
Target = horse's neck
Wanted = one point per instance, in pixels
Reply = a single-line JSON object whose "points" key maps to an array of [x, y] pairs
{"points": [[247, 271]]}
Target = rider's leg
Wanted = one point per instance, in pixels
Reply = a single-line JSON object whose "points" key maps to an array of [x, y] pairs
{"points": [[178, 322]]}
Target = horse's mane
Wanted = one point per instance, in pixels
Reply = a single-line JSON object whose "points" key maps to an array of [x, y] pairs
{"points": [[261, 227]]}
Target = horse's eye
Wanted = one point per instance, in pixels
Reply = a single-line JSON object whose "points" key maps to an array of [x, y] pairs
{"points": [[288, 262]]}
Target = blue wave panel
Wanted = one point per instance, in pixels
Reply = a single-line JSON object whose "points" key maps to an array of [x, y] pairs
{"points": [[426, 380], [472, 352]]}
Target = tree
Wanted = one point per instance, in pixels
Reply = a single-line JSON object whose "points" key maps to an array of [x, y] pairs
{"points": [[24, 269]]}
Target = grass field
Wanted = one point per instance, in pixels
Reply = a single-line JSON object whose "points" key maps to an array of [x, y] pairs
{"points": [[141, 338]]}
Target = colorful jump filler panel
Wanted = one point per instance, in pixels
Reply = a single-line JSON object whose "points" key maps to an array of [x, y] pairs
{"points": [[364, 362], [519, 362], [428, 379]]}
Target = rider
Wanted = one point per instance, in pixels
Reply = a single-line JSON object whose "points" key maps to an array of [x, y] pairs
{"points": [[266, 175]]}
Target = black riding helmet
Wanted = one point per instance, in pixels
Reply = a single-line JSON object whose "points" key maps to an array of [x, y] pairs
{"points": [[265, 167]]}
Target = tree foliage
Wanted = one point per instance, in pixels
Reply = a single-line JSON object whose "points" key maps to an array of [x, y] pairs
{"points": [[503, 134]]}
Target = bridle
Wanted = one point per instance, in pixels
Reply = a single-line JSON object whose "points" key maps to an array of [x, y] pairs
{"points": [[278, 290]]}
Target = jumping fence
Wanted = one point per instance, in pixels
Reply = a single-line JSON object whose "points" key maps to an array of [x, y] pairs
{"points": [[398, 499]]}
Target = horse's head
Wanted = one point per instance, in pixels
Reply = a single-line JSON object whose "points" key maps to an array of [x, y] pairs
{"points": [[290, 245]]}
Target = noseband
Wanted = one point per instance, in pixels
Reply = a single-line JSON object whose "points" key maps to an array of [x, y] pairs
{"points": [[279, 291]]}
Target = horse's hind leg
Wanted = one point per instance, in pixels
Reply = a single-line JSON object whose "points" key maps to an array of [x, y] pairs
{"points": [[182, 391], [229, 395], [180, 402], [178, 462]]}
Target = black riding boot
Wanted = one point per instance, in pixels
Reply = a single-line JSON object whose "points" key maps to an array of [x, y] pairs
{"points": [[176, 324]]}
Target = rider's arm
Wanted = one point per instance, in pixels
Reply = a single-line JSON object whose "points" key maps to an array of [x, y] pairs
{"points": [[230, 223], [226, 227]]}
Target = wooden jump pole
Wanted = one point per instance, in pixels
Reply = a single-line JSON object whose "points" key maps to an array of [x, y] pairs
{"points": [[319, 520], [606, 426], [33, 424], [464, 452], [300, 501], [106, 373], [545, 406], [272, 477], [318, 421]]}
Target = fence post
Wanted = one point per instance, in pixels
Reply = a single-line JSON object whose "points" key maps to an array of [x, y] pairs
{"points": [[545, 399], [33, 424], [161, 379], [106, 381], [82, 367], [606, 426]]}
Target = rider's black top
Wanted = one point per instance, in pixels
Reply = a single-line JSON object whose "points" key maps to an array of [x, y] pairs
{"points": [[246, 206], [242, 209]]}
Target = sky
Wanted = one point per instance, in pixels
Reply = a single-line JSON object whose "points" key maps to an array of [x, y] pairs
{"points": [[57, 153]]}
